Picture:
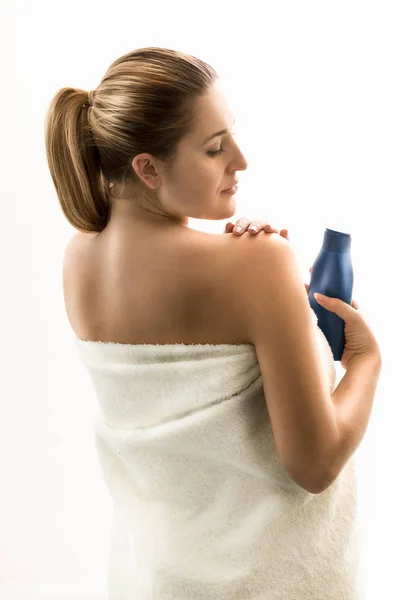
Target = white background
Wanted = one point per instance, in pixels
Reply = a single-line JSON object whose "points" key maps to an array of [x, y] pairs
{"points": [[321, 93]]}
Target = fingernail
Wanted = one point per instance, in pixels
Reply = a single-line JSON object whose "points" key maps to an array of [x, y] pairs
{"points": [[253, 227], [319, 297], [238, 229]]}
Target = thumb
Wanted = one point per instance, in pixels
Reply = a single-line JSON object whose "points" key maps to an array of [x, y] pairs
{"points": [[342, 309]]}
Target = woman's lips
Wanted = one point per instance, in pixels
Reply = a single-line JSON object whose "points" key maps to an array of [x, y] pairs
{"points": [[231, 190]]}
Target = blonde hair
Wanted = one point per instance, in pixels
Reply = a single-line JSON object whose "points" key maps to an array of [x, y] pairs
{"points": [[144, 103]]}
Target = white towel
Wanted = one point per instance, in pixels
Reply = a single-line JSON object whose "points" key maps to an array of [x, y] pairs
{"points": [[203, 508]]}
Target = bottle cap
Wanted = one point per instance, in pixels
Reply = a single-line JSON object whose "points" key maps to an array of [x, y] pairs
{"points": [[336, 241]]}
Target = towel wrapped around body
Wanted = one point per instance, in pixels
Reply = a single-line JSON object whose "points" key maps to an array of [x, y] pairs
{"points": [[203, 508]]}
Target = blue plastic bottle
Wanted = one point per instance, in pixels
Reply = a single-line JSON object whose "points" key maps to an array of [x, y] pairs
{"points": [[332, 275]]}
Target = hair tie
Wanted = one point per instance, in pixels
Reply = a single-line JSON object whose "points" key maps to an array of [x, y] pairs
{"points": [[90, 100]]}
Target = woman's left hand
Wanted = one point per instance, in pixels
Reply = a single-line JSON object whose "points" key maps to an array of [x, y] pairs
{"points": [[247, 225]]}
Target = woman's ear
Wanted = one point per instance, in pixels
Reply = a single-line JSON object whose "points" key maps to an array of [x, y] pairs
{"points": [[148, 170]]}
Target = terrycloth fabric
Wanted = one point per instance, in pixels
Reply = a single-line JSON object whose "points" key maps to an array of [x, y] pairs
{"points": [[203, 508]]}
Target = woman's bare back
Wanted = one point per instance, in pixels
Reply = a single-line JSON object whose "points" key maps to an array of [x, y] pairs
{"points": [[160, 285]]}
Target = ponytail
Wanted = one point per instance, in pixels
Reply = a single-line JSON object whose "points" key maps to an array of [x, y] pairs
{"points": [[73, 160]]}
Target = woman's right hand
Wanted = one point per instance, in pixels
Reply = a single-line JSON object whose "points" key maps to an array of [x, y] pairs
{"points": [[359, 339]]}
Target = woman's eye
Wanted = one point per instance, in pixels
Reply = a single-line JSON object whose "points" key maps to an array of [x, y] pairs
{"points": [[220, 151], [216, 152]]}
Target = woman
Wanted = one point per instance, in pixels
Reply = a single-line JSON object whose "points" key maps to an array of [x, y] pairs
{"points": [[224, 444]]}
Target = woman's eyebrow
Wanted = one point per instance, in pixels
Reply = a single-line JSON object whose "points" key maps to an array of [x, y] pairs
{"points": [[217, 134]]}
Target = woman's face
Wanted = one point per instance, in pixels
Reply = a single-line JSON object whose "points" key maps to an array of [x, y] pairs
{"points": [[205, 165]]}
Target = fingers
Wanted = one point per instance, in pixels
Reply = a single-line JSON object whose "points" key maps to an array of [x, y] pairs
{"points": [[229, 227], [355, 304], [257, 226], [251, 226], [242, 223], [241, 226]]}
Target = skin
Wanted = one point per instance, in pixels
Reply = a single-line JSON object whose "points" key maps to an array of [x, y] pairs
{"points": [[190, 187]]}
